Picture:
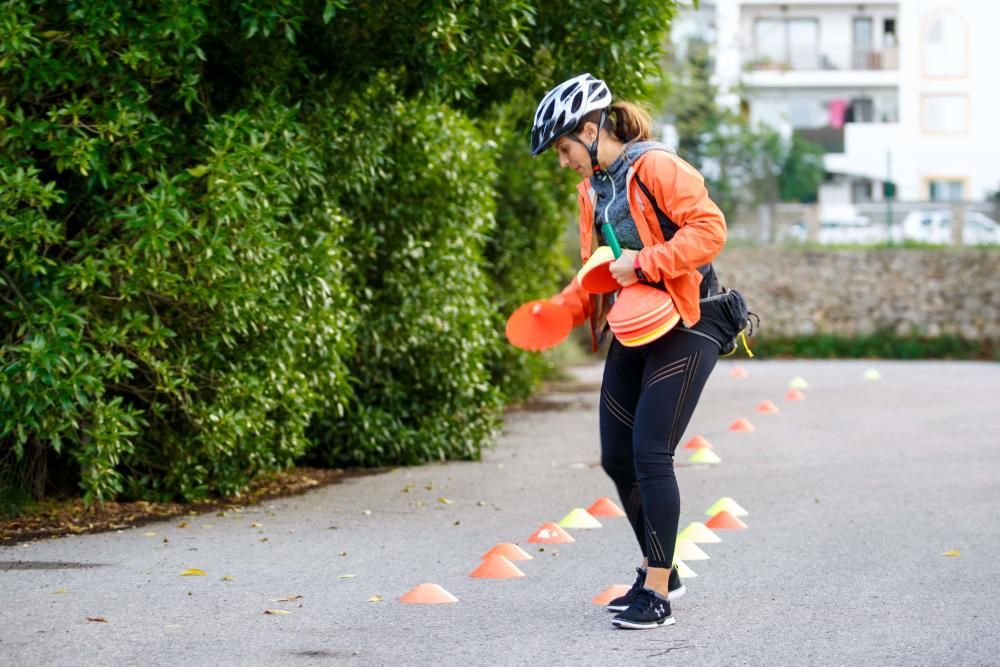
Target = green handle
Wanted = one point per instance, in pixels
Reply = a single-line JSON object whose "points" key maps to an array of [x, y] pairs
{"points": [[609, 236]]}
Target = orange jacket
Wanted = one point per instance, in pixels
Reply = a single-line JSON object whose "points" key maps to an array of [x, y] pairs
{"points": [[680, 193]]}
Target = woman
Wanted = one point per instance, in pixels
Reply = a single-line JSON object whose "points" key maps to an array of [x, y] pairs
{"points": [[670, 231]]}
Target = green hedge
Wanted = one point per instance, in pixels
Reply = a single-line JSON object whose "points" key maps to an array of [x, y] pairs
{"points": [[237, 234], [886, 345]]}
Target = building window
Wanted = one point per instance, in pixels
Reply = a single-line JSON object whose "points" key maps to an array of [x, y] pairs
{"points": [[789, 43], [945, 114], [863, 57], [861, 191], [945, 47], [950, 189]]}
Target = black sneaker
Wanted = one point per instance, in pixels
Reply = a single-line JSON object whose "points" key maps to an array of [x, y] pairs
{"points": [[675, 588], [648, 610]]}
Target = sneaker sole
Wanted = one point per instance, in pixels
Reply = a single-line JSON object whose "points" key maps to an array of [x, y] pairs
{"points": [[633, 625], [673, 595]]}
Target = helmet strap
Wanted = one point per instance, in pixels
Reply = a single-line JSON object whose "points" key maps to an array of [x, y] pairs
{"points": [[592, 148]]}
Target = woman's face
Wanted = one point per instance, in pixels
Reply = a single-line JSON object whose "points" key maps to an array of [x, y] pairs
{"points": [[573, 155]]}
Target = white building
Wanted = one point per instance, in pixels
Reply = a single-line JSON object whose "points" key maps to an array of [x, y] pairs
{"points": [[904, 91]]}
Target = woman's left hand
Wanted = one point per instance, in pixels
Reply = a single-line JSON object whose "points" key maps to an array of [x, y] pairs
{"points": [[623, 268]]}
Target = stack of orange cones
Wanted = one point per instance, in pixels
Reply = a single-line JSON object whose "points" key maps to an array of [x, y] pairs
{"points": [[741, 425], [641, 315], [496, 567], [550, 533], [605, 507], [428, 594], [725, 521], [697, 442], [595, 276]]}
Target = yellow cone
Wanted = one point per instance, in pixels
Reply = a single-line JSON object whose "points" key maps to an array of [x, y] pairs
{"points": [[579, 518], [699, 533], [704, 455], [872, 374], [798, 383], [688, 550], [727, 504], [683, 571]]}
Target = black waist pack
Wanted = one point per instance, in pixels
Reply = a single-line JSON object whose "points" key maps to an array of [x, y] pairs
{"points": [[736, 319]]}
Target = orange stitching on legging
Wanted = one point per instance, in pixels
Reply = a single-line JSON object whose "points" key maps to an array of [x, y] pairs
{"points": [[653, 542], [611, 400], [615, 409], [669, 368], [682, 397], [664, 377]]}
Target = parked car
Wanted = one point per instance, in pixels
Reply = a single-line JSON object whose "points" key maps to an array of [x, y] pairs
{"points": [[855, 230], [935, 227]]}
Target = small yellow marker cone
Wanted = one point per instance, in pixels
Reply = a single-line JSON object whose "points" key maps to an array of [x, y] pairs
{"points": [[798, 382], [688, 550], [704, 455], [872, 374], [727, 504], [699, 533], [683, 571], [579, 518]]}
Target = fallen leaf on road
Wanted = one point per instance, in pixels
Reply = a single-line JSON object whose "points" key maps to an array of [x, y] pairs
{"points": [[288, 598], [229, 578], [952, 553], [97, 619], [277, 612], [444, 501], [262, 539], [194, 572], [346, 576], [149, 534], [59, 591], [256, 525], [367, 512], [182, 524], [375, 598], [172, 626], [342, 553]]}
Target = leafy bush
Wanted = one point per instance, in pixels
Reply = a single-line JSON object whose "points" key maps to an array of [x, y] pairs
{"points": [[237, 232]]}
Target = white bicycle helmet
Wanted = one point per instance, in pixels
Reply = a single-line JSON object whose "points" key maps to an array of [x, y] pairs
{"points": [[563, 107]]}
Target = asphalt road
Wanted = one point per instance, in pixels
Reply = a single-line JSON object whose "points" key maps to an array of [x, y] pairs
{"points": [[854, 494]]}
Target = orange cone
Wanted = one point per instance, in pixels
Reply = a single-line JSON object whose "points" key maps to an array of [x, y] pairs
{"points": [[428, 594], [550, 533], [605, 507], [738, 372], [508, 550], [741, 425], [610, 593], [767, 408], [697, 442], [539, 325], [725, 521], [496, 567], [795, 395]]}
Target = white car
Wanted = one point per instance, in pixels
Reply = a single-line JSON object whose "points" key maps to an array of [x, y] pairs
{"points": [[935, 227], [851, 231]]}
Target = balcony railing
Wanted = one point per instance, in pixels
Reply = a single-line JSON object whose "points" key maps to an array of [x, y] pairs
{"points": [[861, 59]]}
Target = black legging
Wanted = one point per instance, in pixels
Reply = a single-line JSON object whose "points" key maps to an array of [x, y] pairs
{"points": [[647, 398]]}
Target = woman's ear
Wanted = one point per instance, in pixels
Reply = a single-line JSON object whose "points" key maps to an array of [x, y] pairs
{"points": [[588, 132]]}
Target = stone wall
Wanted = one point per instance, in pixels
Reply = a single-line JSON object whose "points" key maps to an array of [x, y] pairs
{"points": [[851, 292]]}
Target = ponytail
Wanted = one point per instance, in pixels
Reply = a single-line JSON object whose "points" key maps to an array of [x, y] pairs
{"points": [[630, 122], [627, 121]]}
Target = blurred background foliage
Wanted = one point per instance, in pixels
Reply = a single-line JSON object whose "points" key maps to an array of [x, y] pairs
{"points": [[240, 234]]}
